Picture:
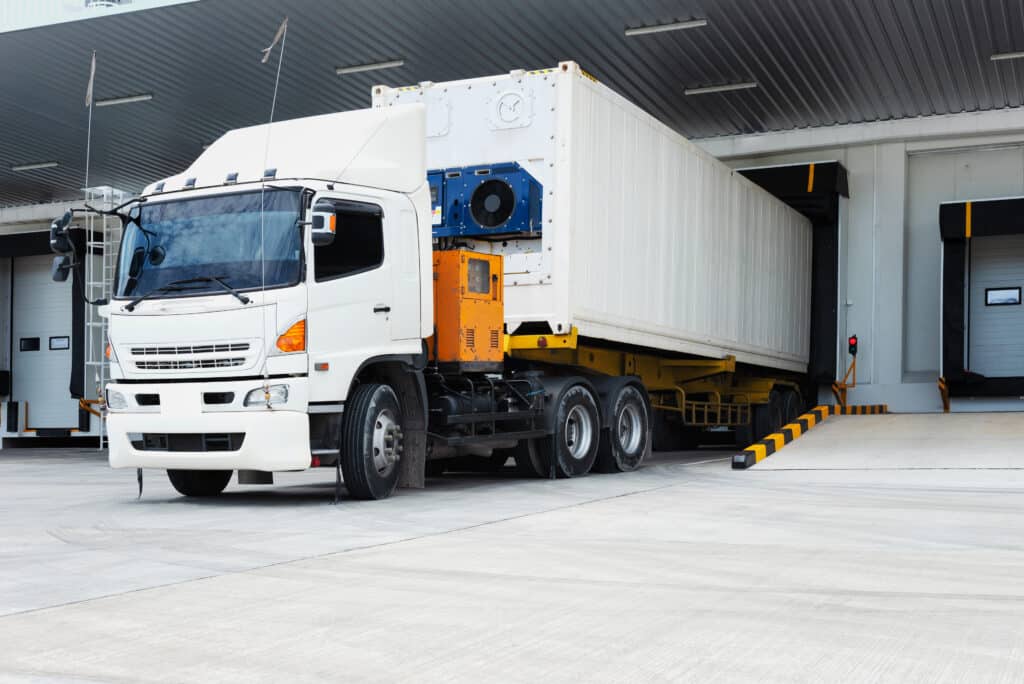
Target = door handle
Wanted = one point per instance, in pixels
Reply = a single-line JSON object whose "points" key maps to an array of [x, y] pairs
{"points": [[382, 308]]}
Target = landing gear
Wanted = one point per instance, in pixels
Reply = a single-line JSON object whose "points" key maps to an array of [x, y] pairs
{"points": [[199, 482], [371, 442]]}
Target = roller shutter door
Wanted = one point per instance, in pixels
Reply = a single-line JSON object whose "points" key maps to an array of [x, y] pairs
{"points": [[995, 328], [41, 344]]}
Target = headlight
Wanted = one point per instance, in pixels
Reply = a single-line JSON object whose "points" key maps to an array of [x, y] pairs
{"points": [[275, 394], [116, 401]]}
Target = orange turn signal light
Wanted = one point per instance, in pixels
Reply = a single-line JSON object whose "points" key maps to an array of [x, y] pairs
{"points": [[108, 352], [294, 338]]}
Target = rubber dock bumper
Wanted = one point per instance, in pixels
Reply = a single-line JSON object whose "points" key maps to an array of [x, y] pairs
{"points": [[755, 453]]}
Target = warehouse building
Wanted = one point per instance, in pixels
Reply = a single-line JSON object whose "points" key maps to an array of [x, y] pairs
{"points": [[889, 124]]}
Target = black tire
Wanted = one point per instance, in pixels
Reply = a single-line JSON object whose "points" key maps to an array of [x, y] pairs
{"points": [[764, 420], [199, 482], [577, 434], [371, 442], [667, 431], [745, 433], [776, 413], [792, 406], [627, 442]]}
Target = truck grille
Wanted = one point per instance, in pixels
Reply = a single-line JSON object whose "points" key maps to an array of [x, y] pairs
{"points": [[189, 365], [195, 441], [215, 355], [191, 349]]}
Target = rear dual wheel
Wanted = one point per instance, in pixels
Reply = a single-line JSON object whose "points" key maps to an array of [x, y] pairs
{"points": [[628, 439], [573, 446], [783, 407]]}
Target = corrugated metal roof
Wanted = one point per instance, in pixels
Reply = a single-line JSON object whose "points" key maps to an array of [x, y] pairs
{"points": [[818, 62]]}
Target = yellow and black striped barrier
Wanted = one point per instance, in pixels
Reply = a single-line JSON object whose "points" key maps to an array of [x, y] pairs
{"points": [[864, 410], [755, 453]]}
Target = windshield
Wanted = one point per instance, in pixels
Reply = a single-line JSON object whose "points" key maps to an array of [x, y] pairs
{"points": [[212, 237]]}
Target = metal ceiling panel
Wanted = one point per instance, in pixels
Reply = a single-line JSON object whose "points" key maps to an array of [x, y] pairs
{"points": [[817, 63]]}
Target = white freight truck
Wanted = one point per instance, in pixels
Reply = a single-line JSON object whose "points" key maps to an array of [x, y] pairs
{"points": [[522, 266]]}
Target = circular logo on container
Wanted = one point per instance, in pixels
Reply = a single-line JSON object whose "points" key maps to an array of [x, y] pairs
{"points": [[511, 107]]}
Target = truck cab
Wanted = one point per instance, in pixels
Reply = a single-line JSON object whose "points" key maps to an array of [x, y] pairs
{"points": [[256, 287]]}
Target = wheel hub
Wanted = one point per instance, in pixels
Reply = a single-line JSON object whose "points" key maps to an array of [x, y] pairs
{"points": [[579, 432], [629, 429], [387, 442]]}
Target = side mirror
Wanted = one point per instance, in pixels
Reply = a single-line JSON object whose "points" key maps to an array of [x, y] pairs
{"points": [[60, 243], [61, 268], [324, 224]]}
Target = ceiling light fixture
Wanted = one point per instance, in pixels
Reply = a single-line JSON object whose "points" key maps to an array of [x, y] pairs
{"points": [[128, 99], [356, 68], [727, 88], [36, 166], [1000, 56], [674, 26]]}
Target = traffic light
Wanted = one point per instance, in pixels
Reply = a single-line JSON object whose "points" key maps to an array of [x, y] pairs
{"points": [[853, 345]]}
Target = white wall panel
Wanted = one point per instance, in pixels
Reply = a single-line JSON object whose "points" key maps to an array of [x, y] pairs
{"points": [[889, 250], [935, 178], [5, 308]]}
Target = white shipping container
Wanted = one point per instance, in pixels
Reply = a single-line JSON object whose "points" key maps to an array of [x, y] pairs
{"points": [[647, 240]]}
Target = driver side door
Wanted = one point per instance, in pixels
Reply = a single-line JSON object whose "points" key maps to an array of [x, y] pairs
{"points": [[349, 297]]}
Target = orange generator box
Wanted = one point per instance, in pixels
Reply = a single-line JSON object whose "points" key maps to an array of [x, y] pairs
{"points": [[469, 311]]}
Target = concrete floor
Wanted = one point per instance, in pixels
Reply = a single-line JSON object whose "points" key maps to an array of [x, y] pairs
{"points": [[902, 441], [684, 571]]}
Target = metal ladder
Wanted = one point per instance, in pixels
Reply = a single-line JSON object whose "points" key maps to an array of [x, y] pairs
{"points": [[102, 239]]}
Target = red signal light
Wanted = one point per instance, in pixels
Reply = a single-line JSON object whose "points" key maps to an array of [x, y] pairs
{"points": [[853, 345]]}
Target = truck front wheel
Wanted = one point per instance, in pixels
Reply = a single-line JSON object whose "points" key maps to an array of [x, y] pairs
{"points": [[199, 482], [371, 442]]}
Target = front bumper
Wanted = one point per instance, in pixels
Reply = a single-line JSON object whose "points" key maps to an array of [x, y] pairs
{"points": [[273, 439]]}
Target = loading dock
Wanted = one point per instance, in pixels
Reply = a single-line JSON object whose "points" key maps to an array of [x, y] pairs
{"points": [[982, 276], [927, 441], [41, 324], [50, 342], [878, 547], [819, 191]]}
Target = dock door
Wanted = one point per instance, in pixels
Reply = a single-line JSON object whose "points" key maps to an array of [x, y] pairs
{"points": [[41, 329]]}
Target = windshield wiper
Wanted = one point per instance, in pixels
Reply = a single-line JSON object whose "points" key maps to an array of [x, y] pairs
{"points": [[220, 281], [175, 286], [169, 287]]}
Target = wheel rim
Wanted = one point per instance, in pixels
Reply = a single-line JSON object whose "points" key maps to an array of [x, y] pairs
{"points": [[579, 432], [630, 428], [387, 442]]}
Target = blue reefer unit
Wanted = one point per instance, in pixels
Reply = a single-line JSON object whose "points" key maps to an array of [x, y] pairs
{"points": [[485, 201]]}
